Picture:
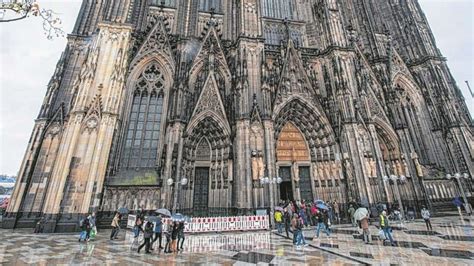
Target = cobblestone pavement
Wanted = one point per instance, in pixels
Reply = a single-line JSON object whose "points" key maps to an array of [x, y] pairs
{"points": [[450, 242]]}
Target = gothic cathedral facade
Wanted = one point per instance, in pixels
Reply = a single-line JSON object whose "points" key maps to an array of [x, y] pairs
{"points": [[222, 107]]}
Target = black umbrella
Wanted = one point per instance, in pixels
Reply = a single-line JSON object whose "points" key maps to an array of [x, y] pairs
{"points": [[123, 210]]}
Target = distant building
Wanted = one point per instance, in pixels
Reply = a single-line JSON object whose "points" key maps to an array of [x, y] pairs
{"points": [[191, 105]]}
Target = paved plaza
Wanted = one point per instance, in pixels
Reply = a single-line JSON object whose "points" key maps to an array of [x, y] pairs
{"points": [[450, 243]]}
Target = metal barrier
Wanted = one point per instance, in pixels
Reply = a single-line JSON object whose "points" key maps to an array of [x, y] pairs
{"points": [[216, 224]]}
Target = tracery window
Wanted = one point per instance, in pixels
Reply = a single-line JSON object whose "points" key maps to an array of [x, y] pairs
{"points": [[143, 129], [279, 9], [167, 3], [276, 33], [207, 5]]}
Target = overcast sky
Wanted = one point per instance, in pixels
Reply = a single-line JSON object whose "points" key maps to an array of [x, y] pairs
{"points": [[28, 60]]}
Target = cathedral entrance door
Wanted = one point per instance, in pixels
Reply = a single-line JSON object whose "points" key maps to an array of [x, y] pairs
{"points": [[286, 188], [305, 184], [201, 192], [286, 191]]}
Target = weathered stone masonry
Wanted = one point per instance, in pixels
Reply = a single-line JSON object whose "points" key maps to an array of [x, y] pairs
{"points": [[329, 95]]}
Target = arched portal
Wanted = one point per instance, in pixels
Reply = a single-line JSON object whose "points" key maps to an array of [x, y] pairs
{"points": [[292, 151], [207, 165], [316, 160]]}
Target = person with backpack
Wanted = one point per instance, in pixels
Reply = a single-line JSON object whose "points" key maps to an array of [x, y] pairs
{"points": [[147, 234], [425, 214], [85, 229]]}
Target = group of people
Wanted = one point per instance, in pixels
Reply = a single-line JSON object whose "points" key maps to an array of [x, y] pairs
{"points": [[294, 216], [153, 231]]}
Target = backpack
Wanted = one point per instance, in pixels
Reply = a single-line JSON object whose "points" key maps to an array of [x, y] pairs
{"points": [[313, 210]]}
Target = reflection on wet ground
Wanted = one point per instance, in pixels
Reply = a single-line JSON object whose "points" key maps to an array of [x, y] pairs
{"points": [[449, 243], [20, 247]]}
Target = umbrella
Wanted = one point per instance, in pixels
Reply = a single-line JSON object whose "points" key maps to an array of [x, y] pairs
{"points": [[278, 208], [123, 210], [178, 217], [319, 201], [152, 219], [322, 206], [164, 212], [360, 213]]}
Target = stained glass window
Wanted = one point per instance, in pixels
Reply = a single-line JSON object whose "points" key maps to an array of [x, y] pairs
{"points": [[143, 129]]}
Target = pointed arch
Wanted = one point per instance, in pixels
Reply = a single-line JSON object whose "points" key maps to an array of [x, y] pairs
{"points": [[313, 115], [291, 144]]}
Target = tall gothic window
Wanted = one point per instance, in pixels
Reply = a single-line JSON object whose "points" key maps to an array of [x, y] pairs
{"points": [[168, 3], [207, 5], [279, 9], [143, 130]]}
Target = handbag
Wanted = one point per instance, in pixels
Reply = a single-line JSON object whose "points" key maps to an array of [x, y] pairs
{"points": [[93, 232], [382, 234]]}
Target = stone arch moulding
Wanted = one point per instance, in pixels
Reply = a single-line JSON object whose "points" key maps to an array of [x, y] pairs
{"points": [[165, 64], [409, 86], [211, 114], [324, 121]]}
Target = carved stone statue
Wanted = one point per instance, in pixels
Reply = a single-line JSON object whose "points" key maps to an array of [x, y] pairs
{"points": [[296, 171], [373, 168]]}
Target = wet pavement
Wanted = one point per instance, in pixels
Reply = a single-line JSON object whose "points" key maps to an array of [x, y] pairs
{"points": [[450, 243]]}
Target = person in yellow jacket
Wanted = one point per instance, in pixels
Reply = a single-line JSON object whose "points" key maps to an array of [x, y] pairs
{"points": [[386, 227], [279, 221]]}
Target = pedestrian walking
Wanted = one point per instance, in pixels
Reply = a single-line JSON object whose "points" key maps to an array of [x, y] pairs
{"points": [[364, 224], [302, 214], [336, 211], [384, 225], [458, 203], [40, 225], [174, 237], [181, 238], [351, 212], [279, 221], [320, 218], [85, 229], [294, 227], [115, 226], [297, 226], [287, 219], [158, 230], [425, 214], [169, 230], [138, 225], [147, 235]]}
